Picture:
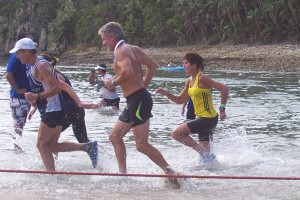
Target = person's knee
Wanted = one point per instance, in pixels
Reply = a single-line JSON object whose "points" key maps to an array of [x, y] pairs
{"points": [[176, 135], [53, 147], [41, 145], [45, 145], [140, 148], [114, 139]]}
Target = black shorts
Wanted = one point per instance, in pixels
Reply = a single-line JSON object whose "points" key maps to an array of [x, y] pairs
{"points": [[52, 119], [138, 108], [204, 127], [113, 102]]}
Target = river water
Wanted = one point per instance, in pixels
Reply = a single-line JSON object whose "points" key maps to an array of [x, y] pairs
{"points": [[260, 137]]}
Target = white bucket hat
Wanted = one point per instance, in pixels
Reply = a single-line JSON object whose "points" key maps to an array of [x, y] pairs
{"points": [[25, 43]]}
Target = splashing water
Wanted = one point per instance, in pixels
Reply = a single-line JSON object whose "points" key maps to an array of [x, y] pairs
{"points": [[260, 137]]}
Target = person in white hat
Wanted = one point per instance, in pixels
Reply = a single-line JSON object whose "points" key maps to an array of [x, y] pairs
{"points": [[109, 97], [46, 96]]}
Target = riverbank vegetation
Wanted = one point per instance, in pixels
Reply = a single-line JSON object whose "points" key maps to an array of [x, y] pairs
{"points": [[164, 22], [177, 22]]}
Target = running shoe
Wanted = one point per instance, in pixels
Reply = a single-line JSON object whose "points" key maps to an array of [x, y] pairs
{"points": [[207, 158], [93, 152]]}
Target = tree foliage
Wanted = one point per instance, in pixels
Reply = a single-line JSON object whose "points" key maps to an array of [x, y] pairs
{"points": [[172, 22]]}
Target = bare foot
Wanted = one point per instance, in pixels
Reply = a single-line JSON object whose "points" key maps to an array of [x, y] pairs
{"points": [[172, 182]]}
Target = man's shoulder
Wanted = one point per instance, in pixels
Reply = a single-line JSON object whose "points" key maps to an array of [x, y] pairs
{"points": [[127, 46], [44, 63], [13, 62], [134, 47]]}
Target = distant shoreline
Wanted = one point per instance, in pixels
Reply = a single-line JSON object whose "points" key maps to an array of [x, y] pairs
{"points": [[276, 58], [279, 57]]}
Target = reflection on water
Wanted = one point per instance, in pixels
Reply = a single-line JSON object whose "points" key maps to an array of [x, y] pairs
{"points": [[260, 137]]}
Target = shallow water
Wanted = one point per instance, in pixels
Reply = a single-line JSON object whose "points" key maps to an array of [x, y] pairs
{"points": [[260, 137]]}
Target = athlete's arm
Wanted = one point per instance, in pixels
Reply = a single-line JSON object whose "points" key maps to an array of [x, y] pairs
{"points": [[224, 90], [183, 97], [68, 89], [11, 80], [209, 83], [150, 67], [124, 70], [183, 107], [90, 105], [45, 73], [31, 112]]}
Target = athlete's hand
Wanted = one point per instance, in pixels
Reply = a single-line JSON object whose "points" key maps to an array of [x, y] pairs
{"points": [[108, 84], [161, 91], [95, 105], [222, 115], [31, 112], [182, 111], [31, 97]]}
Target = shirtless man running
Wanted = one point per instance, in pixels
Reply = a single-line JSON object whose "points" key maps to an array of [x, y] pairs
{"points": [[128, 61]]}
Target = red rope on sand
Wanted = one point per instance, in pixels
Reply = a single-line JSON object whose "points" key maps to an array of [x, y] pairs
{"points": [[148, 175]]}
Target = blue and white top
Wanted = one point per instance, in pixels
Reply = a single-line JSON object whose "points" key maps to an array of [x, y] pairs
{"points": [[51, 104]]}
